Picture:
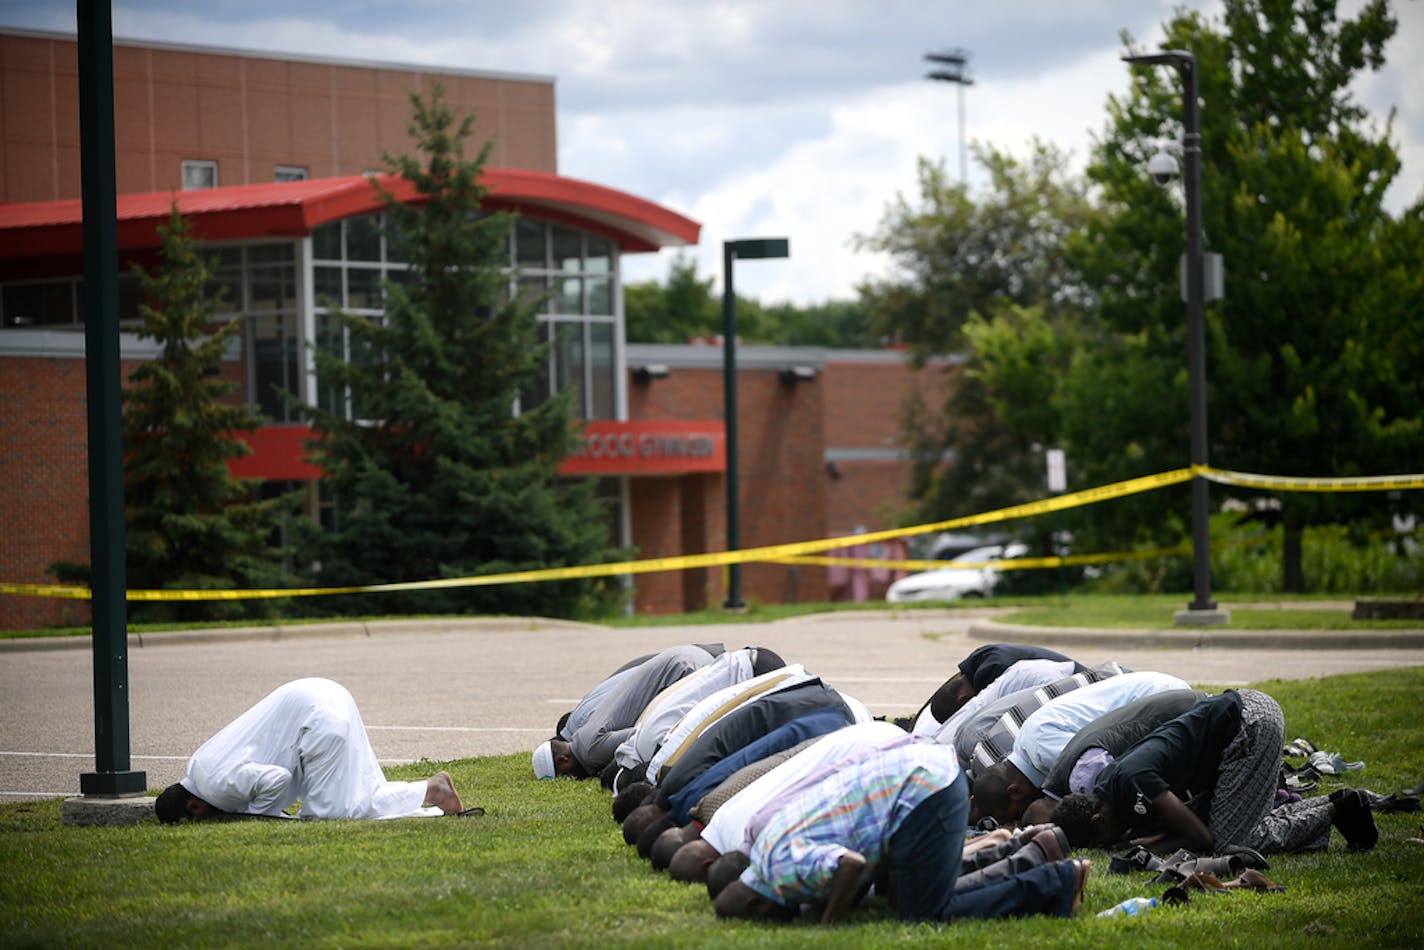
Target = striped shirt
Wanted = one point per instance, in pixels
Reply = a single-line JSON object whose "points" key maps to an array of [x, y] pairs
{"points": [[858, 807], [981, 748]]}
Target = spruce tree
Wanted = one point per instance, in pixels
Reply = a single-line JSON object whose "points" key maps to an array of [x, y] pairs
{"points": [[449, 473], [189, 524]]}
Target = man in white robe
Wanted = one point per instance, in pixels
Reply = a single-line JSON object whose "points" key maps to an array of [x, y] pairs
{"points": [[304, 741]]}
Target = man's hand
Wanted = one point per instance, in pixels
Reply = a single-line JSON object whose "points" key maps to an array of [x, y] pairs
{"points": [[845, 884]]}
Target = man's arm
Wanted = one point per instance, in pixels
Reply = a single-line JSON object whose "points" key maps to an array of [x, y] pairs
{"points": [[845, 885], [1179, 825]]}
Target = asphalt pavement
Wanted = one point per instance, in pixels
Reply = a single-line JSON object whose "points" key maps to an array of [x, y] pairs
{"points": [[453, 689]]}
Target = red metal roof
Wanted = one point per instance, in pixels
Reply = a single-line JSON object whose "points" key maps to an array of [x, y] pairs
{"points": [[293, 209]]}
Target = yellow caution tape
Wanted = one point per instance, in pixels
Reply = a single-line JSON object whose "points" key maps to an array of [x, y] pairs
{"points": [[777, 553], [1283, 483]]}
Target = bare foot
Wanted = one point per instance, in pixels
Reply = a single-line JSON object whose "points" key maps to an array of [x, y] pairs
{"points": [[440, 791], [1080, 880]]}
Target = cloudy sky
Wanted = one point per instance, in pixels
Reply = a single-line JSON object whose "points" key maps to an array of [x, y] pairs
{"points": [[794, 118]]}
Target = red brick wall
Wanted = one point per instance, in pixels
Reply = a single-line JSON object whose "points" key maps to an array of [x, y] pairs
{"points": [[247, 113], [44, 508], [783, 480]]}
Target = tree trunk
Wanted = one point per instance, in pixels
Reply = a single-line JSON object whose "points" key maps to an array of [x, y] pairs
{"points": [[1294, 579]]}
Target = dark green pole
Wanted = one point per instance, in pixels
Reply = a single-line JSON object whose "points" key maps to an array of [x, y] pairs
{"points": [[732, 251], [729, 399], [112, 775]]}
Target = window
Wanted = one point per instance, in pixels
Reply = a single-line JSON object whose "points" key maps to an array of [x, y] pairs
{"points": [[290, 173], [199, 175]]}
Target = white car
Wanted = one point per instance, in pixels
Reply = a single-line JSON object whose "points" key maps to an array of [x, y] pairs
{"points": [[956, 580]]}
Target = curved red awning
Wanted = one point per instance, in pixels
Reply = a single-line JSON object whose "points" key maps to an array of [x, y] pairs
{"points": [[293, 209]]}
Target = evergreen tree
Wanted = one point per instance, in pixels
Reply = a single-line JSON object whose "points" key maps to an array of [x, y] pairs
{"points": [[188, 523], [450, 472]]}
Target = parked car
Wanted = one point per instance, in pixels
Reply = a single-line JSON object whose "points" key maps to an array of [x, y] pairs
{"points": [[957, 579]]}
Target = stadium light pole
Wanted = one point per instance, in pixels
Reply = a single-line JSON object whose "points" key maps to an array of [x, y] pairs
{"points": [[745, 249], [1202, 610], [956, 70]]}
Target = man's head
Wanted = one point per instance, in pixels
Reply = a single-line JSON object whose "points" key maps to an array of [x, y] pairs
{"points": [[692, 861], [1001, 792], [554, 758], [738, 900], [1087, 820], [176, 803], [1038, 811], [949, 698], [724, 871], [668, 844], [629, 798], [639, 819]]}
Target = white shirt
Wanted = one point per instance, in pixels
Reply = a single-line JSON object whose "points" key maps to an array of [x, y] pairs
{"points": [[727, 829], [669, 706], [305, 740], [1052, 726], [1025, 674]]}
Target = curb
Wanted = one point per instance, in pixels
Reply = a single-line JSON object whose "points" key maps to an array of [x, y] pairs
{"points": [[272, 634], [1190, 638]]}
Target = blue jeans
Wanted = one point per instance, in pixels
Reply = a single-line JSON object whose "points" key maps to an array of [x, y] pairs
{"points": [[924, 857]]}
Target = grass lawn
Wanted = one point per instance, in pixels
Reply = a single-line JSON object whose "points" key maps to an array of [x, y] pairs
{"points": [[548, 867]]}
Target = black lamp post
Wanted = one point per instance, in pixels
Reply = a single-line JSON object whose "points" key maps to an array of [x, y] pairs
{"points": [[746, 249], [112, 775], [1202, 609], [956, 70]]}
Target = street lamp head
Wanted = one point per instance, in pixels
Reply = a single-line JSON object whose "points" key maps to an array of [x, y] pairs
{"points": [[753, 248], [1179, 58], [1163, 168]]}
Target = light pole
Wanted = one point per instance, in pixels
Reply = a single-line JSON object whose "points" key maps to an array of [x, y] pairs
{"points": [[1202, 610], [956, 62], [746, 249]]}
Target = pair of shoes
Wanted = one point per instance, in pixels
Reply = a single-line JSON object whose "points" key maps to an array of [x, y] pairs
{"points": [[1253, 880], [1332, 763], [1250, 857], [1211, 867], [1298, 748], [1396, 801], [1136, 860], [1416, 791], [1303, 780], [471, 812]]}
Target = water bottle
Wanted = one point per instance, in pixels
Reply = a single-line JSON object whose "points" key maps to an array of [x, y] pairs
{"points": [[1132, 907]]}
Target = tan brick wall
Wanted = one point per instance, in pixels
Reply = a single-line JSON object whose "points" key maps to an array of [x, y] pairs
{"points": [[247, 113]]}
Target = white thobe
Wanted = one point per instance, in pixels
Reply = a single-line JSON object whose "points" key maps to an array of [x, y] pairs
{"points": [[304, 741]]}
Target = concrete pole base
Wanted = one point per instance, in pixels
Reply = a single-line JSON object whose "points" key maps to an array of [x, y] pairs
{"points": [[105, 810], [1201, 618]]}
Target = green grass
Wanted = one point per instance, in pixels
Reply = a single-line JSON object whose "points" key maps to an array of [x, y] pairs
{"points": [[547, 867]]}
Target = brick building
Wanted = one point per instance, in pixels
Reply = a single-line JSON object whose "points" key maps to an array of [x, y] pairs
{"points": [[268, 157]]}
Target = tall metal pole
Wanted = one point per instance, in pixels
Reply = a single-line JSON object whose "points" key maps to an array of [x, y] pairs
{"points": [[112, 775], [1196, 341], [729, 399], [1202, 609]]}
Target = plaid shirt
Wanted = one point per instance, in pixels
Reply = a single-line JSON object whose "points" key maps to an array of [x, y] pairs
{"points": [[857, 807]]}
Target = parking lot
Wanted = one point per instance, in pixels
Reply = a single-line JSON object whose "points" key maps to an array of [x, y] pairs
{"points": [[449, 690]]}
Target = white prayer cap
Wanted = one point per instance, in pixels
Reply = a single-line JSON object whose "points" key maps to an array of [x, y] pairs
{"points": [[544, 761]]}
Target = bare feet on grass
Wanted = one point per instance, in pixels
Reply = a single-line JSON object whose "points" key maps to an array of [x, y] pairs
{"points": [[440, 792]]}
